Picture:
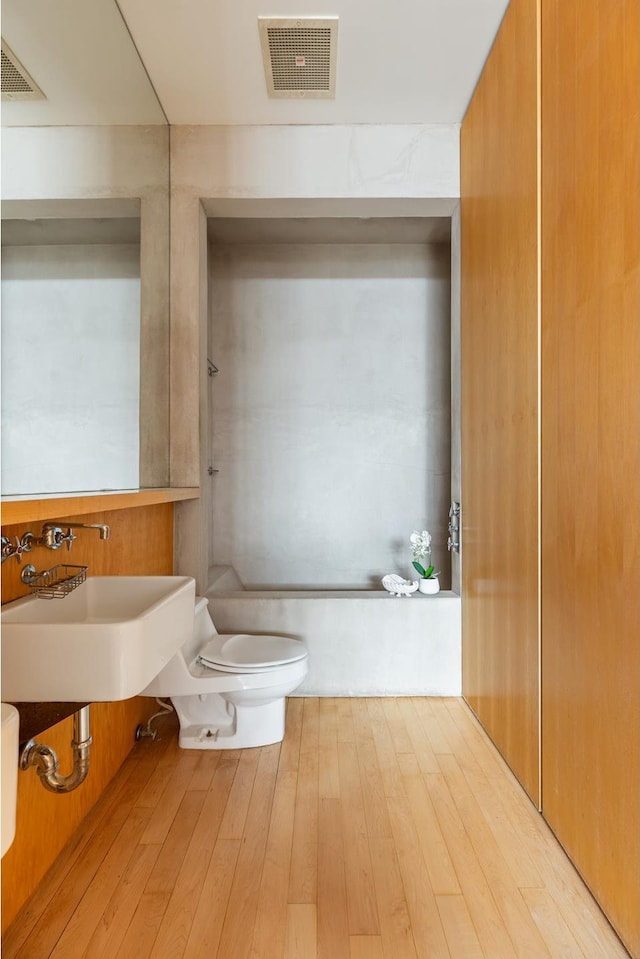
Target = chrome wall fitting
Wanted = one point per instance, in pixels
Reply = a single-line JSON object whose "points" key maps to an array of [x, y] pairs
{"points": [[453, 542], [23, 544]]}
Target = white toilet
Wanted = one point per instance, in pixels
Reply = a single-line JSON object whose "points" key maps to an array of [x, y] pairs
{"points": [[229, 691]]}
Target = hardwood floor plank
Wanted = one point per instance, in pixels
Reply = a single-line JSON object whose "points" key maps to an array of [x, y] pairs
{"points": [[430, 715], [271, 919], [180, 913], [459, 928], [143, 929], [239, 922], [345, 731], [517, 919], [373, 796], [395, 925], [235, 814], [116, 918], [333, 921], [361, 897], [303, 878], [170, 800], [31, 912], [206, 930], [301, 939], [328, 772], [419, 740], [397, 726], [507, 838], [493, 936], [62, 905], [205, 770], [444, 880], [82, 925], [552, 926], [365, 947], [387, 759], [426, 925]]}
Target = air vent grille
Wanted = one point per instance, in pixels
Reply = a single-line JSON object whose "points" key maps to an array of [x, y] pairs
{"points": [[17, 83], [299, 56]]}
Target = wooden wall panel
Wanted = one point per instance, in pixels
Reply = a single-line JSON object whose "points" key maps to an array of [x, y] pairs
{"points": [[141, 543], [591, 445], [499, 236]]}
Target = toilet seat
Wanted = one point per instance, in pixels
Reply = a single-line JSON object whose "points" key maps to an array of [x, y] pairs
{"points": [[242, 653]]}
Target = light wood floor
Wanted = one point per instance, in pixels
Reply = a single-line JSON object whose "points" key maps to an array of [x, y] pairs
{"points": [[379, 829]]}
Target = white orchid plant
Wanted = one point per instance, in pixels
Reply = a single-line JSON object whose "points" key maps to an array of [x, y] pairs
{"points": [[421, 550]]}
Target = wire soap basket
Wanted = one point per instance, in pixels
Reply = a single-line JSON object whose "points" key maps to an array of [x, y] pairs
{"points": [[54, 583]]}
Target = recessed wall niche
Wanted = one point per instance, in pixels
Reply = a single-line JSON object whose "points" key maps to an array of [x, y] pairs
{"points": [[330, 416]]}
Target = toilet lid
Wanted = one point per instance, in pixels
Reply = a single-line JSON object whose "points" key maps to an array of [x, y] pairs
{"points": [[242, 653]]}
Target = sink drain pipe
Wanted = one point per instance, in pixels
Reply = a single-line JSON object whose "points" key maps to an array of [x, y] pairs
{"points": [[46, 762]]}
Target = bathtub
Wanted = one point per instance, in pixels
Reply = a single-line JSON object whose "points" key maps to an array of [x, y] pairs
{"points": [[360, 642]]}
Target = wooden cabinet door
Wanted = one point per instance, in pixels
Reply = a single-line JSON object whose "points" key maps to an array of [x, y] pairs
{"points": [[591, 445], [499, 329]]}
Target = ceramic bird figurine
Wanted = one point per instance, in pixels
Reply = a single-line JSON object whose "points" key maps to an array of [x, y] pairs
{"points": [[398, 586]]}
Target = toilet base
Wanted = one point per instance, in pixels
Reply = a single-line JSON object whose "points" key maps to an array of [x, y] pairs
{"points": [[211, 722]]}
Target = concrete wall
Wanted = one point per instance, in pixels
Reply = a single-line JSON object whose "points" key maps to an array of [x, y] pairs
{"points": [[331, 411], [359, 171], [70, 368]]}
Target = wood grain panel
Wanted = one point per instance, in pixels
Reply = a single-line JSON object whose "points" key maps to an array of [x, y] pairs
{"points": [[499, 301], [591, 445], [141, 543], [22, 509]]}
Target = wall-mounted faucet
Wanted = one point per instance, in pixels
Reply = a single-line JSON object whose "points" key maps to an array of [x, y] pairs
{"points": [[53, 535]]}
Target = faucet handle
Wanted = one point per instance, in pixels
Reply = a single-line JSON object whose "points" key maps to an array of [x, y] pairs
{"points": [[67, 538], [54, 536]]}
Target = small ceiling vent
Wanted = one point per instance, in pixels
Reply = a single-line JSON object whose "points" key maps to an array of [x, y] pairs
{"points": [[17, 83], [299, 55]]}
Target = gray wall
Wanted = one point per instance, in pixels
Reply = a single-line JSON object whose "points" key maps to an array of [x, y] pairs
{"points": [[331, 412]]}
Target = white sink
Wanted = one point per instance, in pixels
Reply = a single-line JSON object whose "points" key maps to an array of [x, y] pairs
{"points": [[104, 641], [10, 728]]}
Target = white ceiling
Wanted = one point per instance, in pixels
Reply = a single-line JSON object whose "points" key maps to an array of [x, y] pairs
{"points": [[411, 61], [80, 54]]}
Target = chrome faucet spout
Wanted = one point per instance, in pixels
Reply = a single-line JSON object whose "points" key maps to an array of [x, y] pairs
{"points": [[53, 535]]}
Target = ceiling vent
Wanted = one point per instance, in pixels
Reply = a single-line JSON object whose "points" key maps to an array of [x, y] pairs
{"points": [[17, 83], [299, 55]]}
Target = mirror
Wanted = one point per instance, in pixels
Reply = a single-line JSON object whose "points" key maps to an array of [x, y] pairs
{"points": [[85, 251]]}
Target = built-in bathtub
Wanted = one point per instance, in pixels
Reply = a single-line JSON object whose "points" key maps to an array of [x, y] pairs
{"points": [[360, 642]]}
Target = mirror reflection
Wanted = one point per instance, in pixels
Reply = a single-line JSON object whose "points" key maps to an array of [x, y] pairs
{"points": [[85, 320]]}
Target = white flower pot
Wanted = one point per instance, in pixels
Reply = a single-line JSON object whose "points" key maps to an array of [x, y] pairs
{"points": [[430, 586]]}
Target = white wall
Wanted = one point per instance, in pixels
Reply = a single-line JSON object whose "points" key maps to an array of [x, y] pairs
{"points": [[331, 411], [70, 368]]}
